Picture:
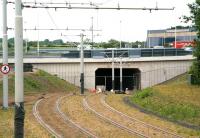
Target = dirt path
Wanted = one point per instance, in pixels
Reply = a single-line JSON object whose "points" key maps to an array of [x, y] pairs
{"points": [[96, 103], [73, 108], [49, 114]]}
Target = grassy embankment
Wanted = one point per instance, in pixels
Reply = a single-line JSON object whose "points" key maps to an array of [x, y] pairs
{"points": [[175, 100], [35, 84]]}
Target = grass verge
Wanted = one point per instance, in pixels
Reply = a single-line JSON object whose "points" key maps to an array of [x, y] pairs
{"points": [[35, 85], [175, 100]]}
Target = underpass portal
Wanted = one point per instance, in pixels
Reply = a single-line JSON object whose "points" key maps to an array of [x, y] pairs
{"points": [[130, 78]]}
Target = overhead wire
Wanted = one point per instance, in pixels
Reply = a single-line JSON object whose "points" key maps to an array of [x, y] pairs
{"points": [[48, 5], [52, 20]]}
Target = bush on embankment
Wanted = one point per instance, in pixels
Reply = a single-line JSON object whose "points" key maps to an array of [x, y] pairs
{"points": [[175, 100]]}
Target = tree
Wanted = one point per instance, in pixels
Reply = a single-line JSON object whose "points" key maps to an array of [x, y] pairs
{"points": [[195, 18], [58, 42], [11, 42]]}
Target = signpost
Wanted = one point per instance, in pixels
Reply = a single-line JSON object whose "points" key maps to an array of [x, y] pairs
{"points": [[5, 69], [5, 55]]}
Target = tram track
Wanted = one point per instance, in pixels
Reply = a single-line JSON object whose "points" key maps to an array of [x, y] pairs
{"points": [[46, 113], [41, 121], [97, 105], [165, 133], [115, 123], [67, 119], [73, 107]]}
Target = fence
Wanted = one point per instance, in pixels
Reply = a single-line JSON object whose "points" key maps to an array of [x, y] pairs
{"points": [[104, 53], [143, 79], [135, 81]]}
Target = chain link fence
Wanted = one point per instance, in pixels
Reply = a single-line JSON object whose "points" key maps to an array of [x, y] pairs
{"points": [[141, 80]]}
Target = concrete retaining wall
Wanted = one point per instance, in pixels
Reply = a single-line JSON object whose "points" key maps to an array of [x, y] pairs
{"points": [[153, 70]]}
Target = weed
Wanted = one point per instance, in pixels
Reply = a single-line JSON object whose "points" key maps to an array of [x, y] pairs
{"points": [[175, 100], [144, 93]]}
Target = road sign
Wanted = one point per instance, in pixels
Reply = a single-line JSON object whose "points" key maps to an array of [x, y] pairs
{"points": [[5, 69]]}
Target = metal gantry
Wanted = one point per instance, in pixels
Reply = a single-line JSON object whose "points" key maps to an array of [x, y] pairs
{"points": [[92, 6]]}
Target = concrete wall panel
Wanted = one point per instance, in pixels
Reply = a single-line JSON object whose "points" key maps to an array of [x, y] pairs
{"points": [[152, 72]]}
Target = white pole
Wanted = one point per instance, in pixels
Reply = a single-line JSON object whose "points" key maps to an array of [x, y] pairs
{"points": [[38, 35], [19, 77], [82, 66], [92, 29], [5, 54], [175, 37], [149, 39], [113, 71], [121, 74], [26, 45], [120, 34], [38, 45], [190, 29], [164, 38]]}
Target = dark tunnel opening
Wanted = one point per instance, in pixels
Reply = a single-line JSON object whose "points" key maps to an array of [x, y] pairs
{"points": [[130, 79]]}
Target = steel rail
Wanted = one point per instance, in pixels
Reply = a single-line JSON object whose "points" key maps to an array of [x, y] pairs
{"points": [[42, 123], [86, 105], [134, 119], [87, 132]]}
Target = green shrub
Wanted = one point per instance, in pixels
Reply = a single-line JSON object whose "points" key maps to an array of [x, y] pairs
{"points": [[154, 101], [144, 93]]}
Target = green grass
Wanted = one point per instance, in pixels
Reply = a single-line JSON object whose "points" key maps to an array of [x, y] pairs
{"points": [[40, 82], [175, 99], [35, 84]]}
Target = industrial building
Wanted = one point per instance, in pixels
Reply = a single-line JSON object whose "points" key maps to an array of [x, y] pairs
{"points": [[168, 37]]}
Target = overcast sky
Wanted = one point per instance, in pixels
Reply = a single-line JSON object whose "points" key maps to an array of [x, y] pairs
{"points": [[134, 24]]}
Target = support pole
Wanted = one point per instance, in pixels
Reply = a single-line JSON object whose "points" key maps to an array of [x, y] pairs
{"points": [[113, 71], [120, 43], [38, 46], [26, 46], [19, 77], [5, 54], [82, 66], [175, 37], [92, 29], [149, 39], [38, 35], [121, 74]]}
